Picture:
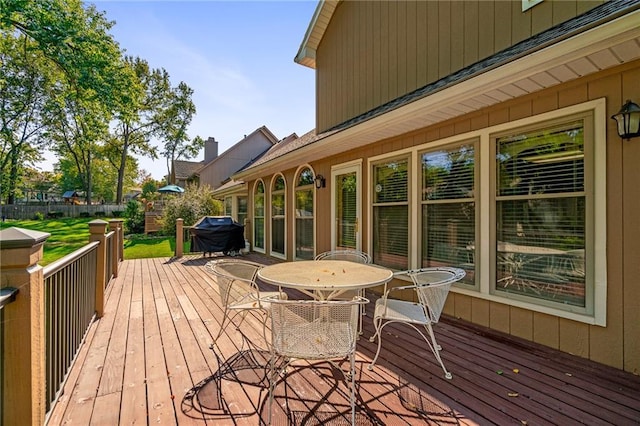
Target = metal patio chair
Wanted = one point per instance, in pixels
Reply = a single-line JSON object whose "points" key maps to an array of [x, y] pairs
{"points": [[345, 254], [350, 255], [432, 287], [317, 331], [239, 293]]}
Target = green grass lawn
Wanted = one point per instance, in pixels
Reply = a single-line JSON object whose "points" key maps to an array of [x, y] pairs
{"points": [[68, 235]]}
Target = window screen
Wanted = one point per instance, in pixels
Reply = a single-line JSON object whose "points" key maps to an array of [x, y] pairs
{"points": [[391, 214], [304, 215], [541, 214], [258, 216], [448, 208]]}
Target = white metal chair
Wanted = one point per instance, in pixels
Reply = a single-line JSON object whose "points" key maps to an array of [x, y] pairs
{"points": [[350, 255], [432, 287], [345, 254], [239, 292], [314, 330]]}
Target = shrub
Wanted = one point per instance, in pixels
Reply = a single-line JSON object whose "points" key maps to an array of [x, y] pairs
{"points": [[117, 213], [38, 216], [134, 218], [84, 214], [99, 214], [194, 203], [55, 215]]}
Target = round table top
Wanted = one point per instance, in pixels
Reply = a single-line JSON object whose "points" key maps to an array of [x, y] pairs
{"points": [[323, 275]]}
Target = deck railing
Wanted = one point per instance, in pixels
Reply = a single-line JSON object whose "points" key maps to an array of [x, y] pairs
{"points": [[70, 287], [7, 295], [45, 327]]}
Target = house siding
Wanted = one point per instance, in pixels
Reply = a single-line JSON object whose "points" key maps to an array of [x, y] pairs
{"points": [[221, 168], [376, 51], [616, 344]]}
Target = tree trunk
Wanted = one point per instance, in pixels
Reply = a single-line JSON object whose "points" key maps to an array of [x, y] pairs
{"points": [[13, 178], [121, 168]]}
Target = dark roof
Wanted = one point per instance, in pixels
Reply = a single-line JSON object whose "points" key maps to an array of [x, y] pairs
{"points": [[288, 144], [185, 169], [603, 13], [70, 194]]}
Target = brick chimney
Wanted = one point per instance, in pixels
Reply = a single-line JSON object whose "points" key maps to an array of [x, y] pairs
{"points": [[210, 150]]}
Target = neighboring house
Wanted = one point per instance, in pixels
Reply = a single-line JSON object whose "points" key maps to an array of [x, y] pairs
{"points": [[184, 172], [216, 171], [475, 134]]}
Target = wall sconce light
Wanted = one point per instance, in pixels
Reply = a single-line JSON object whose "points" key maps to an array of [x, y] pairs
{"points": [[320, 181], [628, 119]]}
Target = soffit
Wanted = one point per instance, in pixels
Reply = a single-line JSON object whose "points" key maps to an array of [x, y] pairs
{"points": [[307, 52], [608, 45]]}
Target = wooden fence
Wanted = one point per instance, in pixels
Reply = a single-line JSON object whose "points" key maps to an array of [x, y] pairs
{"points": [[47, 210]]}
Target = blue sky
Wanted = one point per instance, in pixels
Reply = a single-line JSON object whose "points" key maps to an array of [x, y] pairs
{"points": [[237, 56]]}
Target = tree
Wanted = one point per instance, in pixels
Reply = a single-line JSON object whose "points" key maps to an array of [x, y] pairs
{"points": [[138, 119], [75, 40], [76, 126], [24, 90], [174, 123]]}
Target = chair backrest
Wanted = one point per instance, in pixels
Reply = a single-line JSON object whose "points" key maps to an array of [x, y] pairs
{"points": [[432, 286], [244, 269], [314, 329], [235, 279], [349, 255]]}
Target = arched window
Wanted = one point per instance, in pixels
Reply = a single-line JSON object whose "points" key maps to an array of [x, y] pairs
{"points": [[305, 218], [258, 217], [278, 222]]}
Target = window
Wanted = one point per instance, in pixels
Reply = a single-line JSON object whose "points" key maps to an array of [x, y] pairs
{"points": [[228, 206], [541, 214], [304, 214], [521, 206], [278, 216], [242, 210], [258, 216], [448, 208], [391, 214]]}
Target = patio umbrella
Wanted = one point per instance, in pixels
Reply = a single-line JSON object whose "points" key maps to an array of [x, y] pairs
{"points": [[171, 189]]}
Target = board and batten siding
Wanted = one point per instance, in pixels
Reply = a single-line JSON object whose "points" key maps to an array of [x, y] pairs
{"points": [[375, 51]]}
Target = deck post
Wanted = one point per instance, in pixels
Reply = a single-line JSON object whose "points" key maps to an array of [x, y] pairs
{"points": [[97, 229], [23, 370], [179, 238]]}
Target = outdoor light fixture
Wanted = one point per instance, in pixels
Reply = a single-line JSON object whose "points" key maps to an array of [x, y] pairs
{"points": [[628, 119], [320, 181]]}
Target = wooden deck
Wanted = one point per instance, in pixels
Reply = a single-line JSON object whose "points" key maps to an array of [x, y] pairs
{"points": [[148, 361]]}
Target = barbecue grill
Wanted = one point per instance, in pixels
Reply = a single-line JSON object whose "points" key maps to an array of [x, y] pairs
{"points": [[213, 234]]}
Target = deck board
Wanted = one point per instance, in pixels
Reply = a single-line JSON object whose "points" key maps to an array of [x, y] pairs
{"points": [[149, 360]]}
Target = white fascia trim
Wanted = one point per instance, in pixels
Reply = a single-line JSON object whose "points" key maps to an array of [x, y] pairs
{"points": [[307, 51]]}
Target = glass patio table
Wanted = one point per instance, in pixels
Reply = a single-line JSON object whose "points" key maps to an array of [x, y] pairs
{"points": [[325, 279]]}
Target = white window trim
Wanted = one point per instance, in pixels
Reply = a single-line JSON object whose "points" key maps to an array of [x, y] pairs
{"points": [[271, 190], [598, 107]]}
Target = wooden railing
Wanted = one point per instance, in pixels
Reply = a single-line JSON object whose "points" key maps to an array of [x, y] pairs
{"points": [[7, 295], [43, 329], [70, 287]]}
